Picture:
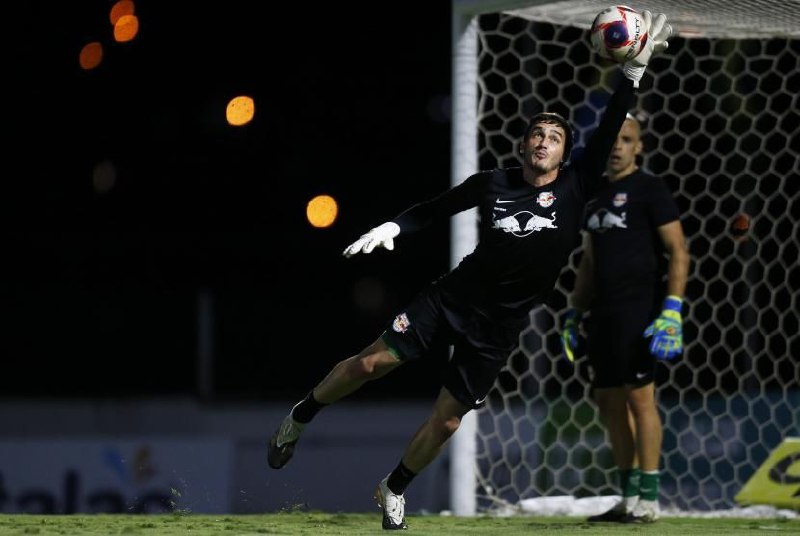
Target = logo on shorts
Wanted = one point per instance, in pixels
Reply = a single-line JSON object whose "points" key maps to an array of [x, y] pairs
{"points": [[401, 323], [640, 375]]}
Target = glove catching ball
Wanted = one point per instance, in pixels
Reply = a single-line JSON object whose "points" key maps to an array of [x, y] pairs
{"points": [[618, 33]]}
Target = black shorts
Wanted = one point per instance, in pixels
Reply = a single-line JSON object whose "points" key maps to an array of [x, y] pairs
{"points": [[618, 352], [481, 346]]}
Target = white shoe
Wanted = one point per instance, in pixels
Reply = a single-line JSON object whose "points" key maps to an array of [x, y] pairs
{"points": [[283, 441], [644, 512], [393, 505]]}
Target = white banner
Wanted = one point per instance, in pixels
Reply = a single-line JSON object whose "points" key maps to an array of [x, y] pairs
{"points": [[62, 476]]}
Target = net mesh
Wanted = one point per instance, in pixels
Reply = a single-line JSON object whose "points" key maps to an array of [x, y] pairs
{"points": [[720, 122]]}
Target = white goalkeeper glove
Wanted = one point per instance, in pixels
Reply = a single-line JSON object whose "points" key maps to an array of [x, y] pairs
{"points": [[658, 31], [382, 235]]}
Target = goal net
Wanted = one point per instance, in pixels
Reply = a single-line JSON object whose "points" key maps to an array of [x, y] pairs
{"points": [[721, 125]]}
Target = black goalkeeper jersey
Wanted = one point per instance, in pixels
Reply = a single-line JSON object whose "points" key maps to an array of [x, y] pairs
{"points": [[526, 233], [623, 220]]}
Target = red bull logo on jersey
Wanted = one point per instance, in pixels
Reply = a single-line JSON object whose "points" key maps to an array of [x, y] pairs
{"points": [[533, 223], [604, 219], [545, 199], [537, 223], [401, 323], [620, 199]]}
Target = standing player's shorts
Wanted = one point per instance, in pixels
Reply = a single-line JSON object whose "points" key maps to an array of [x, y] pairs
{"points": [[481, 346], [617, 349]]}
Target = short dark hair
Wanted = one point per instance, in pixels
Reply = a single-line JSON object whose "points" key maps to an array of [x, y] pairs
{"points": [[553, 118]]}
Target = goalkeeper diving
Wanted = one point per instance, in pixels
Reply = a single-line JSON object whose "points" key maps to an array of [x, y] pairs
{"points": [[530, 221]]}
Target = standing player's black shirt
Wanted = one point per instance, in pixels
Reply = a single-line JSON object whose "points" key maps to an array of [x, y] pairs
{"points": [[526, 234], [623, 221]]}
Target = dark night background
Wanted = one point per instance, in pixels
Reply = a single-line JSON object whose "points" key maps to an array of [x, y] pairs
{"points": [[100, 288]]}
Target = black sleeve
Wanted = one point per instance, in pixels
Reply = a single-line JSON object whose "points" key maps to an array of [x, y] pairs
{"points": [[593, 161], [456, 199], [662, 207]]}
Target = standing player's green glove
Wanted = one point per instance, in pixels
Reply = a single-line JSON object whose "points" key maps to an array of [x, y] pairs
{"points": [[570, 333], [667, 330]]}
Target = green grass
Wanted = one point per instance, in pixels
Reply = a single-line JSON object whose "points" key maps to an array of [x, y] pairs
{"points": [[312, 523]]}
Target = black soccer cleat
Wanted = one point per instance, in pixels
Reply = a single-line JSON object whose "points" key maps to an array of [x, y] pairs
{"points": [[615, 515], [283, 442]]}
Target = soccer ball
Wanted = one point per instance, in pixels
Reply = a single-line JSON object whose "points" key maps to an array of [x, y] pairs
{"points": [[618, 33]]}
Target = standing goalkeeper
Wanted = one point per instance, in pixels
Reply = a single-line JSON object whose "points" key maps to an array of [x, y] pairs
{"points": [[530, 220], [629, 226]]}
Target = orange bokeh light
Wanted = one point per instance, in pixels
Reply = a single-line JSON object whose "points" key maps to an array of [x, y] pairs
{"points": [[322, 210], [126, 28], [240, 110], [91, 55], [120, 9]]}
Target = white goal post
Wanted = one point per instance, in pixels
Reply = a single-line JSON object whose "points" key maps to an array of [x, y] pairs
{"points": [[722, 127]]}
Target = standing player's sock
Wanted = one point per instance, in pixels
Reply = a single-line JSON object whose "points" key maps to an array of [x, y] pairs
{"points": [[400, 478], [306, 409], [648, 487], [629, 480]]}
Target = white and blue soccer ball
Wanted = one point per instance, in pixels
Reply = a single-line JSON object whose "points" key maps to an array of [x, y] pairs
{"points": [[618, 33]]}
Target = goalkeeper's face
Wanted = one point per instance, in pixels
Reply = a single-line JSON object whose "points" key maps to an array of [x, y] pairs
{"points": [[543, 150]]}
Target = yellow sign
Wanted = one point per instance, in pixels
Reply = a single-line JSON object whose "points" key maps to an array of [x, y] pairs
{"points": [[777, 481]]}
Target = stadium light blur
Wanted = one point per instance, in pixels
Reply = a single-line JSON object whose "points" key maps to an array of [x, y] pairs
{"points": [[126, 28], [240, 110], [322, 211], [120, 9], [91, 55]]}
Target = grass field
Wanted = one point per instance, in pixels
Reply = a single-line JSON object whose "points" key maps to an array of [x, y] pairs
{"points": [[347, 524]]}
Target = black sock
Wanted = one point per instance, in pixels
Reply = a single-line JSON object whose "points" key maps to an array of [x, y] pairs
{"points": [[400, 478], [305, 410]]}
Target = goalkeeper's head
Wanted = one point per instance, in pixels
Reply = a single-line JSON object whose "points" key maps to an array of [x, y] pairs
{"points": [[552, 118]]}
